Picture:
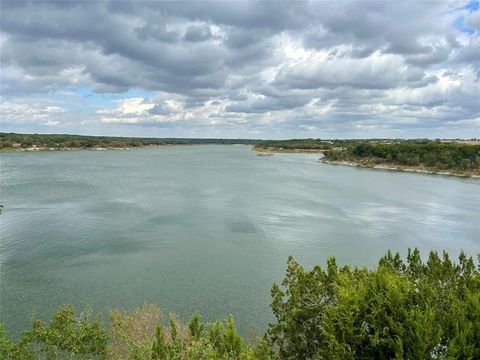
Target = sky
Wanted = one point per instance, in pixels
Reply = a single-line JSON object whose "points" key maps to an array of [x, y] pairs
{"points": [[246, 69]]}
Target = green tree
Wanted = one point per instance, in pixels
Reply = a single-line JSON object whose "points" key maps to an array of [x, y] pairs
{"points": [[412, 310]]}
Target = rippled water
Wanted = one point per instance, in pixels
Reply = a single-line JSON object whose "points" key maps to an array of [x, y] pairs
{"points": [[205, 228]]}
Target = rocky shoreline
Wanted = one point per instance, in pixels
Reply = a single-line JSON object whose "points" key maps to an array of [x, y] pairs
{"points": [[400, 168], [37, 149], [44, 148], [383, 166]]}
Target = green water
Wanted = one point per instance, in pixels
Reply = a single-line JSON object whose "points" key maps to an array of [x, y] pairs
{"points": [[205, 228]]}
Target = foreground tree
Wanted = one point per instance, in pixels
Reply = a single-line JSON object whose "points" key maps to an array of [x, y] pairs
{"points": [[401, 310], [68, 336]]}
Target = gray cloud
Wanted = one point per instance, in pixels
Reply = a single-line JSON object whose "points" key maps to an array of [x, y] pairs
{"points": [[301, 68]]}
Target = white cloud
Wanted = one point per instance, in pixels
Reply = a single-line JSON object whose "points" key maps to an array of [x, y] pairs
{"points": [[35, 113], [376, 71]]}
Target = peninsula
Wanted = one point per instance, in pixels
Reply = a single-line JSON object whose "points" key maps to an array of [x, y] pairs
{"points": [[445, 157]]}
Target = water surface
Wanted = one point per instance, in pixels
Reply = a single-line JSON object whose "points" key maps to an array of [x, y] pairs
{"points": [[205, 228]]}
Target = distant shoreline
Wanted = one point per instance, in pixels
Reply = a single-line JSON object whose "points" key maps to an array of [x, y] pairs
{"points": [[269, 151], [401, 168], [381, 166], [65, 142], [291, 151], [41, 149], [46, 149]]}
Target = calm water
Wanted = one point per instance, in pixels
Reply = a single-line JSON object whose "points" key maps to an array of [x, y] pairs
{"points": [[205, 228]]}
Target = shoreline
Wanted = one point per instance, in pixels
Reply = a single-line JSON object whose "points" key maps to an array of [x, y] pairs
{"points": [[388, 167], [290, 151], [399, 168], [268, 152], [60, 149], [41, 149]]}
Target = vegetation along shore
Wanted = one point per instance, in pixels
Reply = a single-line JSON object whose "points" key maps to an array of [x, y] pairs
{"points": [[445, 157], [400, 310], [43, 142]]}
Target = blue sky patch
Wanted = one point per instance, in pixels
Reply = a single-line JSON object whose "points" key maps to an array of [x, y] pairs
{"points": [[459, 24]]}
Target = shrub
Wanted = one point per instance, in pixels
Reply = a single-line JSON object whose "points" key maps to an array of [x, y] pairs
{"points": [[411, 310], [66, 337]]}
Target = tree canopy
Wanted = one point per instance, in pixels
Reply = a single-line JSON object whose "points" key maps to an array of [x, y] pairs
{"points": [[431, 155]]}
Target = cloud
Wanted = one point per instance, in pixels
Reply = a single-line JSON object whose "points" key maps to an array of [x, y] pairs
{"points": [[251, 69], [377, 71], [35, 113]]}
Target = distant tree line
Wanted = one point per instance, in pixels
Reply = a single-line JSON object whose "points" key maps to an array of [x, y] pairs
{"points": [[59, 141], [295, 144], [64, 141], [326, 144], [431, 154], [402, 309]]}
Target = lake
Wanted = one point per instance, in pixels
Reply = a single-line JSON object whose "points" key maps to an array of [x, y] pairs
{"points": [[205, 228]]}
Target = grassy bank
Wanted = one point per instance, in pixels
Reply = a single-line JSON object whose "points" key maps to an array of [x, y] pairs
{"points": [[402, 309]]}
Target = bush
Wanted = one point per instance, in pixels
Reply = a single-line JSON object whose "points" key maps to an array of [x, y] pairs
{"points": [[400, 310], [411, 310], [66, 337]]}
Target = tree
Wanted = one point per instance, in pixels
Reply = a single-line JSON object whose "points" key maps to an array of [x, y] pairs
{"points": [[411, 310]]}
